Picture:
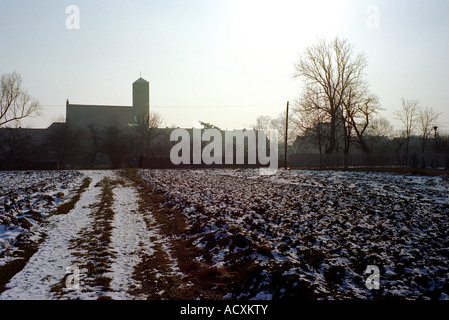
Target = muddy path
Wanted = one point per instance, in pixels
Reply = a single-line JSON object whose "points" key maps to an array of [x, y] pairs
{"points": [[113, 242]]}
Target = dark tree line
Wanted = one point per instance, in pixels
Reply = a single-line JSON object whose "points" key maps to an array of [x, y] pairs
{"points": [[64, 145], [337, 113]]}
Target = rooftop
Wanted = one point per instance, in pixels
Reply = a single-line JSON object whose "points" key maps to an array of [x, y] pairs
{"points": [[141, 80]]}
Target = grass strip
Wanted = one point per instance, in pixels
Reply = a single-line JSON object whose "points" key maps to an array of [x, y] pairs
{"points": [[65, 207], [92, 248], [201, 281]]}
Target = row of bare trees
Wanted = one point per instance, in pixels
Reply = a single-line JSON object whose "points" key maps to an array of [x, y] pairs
{"points": [[117, 142], [417, 120], [65, 144], [336, 112]]}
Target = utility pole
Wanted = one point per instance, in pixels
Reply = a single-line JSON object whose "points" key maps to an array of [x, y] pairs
{"points": [[435, 128], [286, 134], [435, 149]]}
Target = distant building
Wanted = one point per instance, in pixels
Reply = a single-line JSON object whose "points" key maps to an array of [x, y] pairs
{"points": [[81, 115]]}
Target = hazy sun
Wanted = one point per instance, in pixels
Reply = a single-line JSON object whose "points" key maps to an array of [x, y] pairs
{"points": [[255, 19]]}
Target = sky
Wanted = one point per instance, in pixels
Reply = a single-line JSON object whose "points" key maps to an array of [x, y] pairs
{"points": [[225, 62]]}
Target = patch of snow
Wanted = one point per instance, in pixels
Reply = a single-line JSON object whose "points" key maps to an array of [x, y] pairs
{"points": [[315, 222], [130, 238], [48, 265]]}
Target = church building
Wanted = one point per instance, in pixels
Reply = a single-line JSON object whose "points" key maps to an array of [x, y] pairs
{"points": [[81, 115]]}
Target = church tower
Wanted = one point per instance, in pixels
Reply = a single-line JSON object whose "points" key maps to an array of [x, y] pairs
{"points": [[141, 97]]}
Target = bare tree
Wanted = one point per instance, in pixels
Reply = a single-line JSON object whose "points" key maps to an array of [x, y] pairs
{"points": [[144, 132], [15, 102], [380, 127], [408, 115], [15, 144], [278, 123], [378, 135], [330, 70], [63, 139], [115, 144], [266, 123], [359, 108], [312, 119], [262, 123], [93, 143], [427, 118]]}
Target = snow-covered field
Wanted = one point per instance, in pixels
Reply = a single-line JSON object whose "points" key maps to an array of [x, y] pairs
{"points": [[89, 252], [295, 234], [313, 234], [27, 198]]}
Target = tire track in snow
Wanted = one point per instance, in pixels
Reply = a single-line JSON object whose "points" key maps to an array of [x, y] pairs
{"points": [[130, 238], [104, 248], [137, 239], [108, 251], [92, 250], [48, 265]]}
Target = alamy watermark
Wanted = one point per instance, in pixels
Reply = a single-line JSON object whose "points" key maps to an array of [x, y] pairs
{"points": [[372, 21], [73, 278], [373, 280], [191, 152], [72, 21]]}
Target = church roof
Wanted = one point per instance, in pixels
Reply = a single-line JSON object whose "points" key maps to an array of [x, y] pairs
{"points": [[141, 80]]}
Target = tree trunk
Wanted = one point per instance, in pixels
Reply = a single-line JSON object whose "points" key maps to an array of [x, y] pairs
{"points": [[332, 133]]}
